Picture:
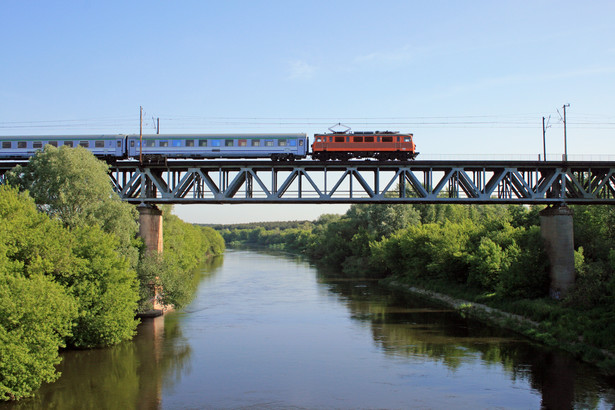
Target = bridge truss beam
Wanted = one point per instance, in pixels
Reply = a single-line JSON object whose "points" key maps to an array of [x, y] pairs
{"points": [[524, 182]]}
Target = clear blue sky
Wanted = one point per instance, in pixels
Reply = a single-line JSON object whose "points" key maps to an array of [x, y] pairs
{"points": [[467, 78]]}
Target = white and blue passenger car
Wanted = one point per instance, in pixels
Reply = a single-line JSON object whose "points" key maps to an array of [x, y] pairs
{"points": [[23, 147], [278, 147]]}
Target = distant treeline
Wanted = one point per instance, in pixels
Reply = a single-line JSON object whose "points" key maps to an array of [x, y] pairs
{"points": [[491, 254], [268, 226], [73, 272]]}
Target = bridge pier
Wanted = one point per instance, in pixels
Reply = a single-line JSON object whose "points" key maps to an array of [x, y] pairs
{"points": [[150, 230], [150, 227], [557, 232]]}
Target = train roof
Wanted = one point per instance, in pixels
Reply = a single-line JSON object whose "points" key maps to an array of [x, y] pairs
{"points": [[245, 135], [59, 137], [114, 136], [365, 133]]}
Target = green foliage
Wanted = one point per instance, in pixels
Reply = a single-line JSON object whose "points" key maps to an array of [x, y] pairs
{"points": [[36, 313], [268, 226], [67, 275], [105, 288], [186, 246], [527, 276], [35, 317], [486, 264], [70, 184]]}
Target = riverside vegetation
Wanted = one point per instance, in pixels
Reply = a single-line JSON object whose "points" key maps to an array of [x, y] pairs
{"points": [[484, 254], [72, 271]]}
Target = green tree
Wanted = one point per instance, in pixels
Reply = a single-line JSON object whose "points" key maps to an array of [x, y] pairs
{"points": [[70, 184], [95, 260], [105, 288], [35, 312], [486, 264]]}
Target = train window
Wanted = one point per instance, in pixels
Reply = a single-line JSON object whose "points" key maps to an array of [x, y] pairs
{"points": [[292, 143], [318, 139], [6, 144], [119, 144], [369, 139], [330, 139], [347, 139], [242, 143], [387, 139], [282, 143], [407, 139], [53, 143], [269, 143], [377, 139], [398, 139], [68, 144], [22, 144], [203, 143], [215, 143], [85, 144], [190, 143], [132, 144], [37, 144], [229, 143], [176, 143], [339, 139], [300, 143], [358, 139], [163, 143], [99, 144], [256, 143]]}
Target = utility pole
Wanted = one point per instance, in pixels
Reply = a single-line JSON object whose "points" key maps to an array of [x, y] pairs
{"points": [[544, 143], [565, 139], [158, 125], [140, 134]]}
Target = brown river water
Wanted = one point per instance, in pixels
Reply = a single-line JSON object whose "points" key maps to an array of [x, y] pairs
{"points": [[269, 331]]}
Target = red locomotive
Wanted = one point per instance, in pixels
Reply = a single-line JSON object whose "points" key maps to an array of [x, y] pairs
{"points": [[385, 145]]}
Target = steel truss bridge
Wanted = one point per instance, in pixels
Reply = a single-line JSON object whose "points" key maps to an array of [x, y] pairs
{"points": [[305, 181], [189, 182]]}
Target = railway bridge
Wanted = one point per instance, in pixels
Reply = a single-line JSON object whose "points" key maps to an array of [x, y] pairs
{"points": [[554, 183]]}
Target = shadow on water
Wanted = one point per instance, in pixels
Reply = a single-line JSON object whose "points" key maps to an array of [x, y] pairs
{"points": [[410, 326]]}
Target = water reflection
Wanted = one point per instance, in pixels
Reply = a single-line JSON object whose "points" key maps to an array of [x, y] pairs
{"points": [[263, 333], [128, 376], [402, 326]]}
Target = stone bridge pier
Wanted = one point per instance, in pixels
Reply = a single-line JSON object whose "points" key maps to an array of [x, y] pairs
{"points": [[557, 232]]}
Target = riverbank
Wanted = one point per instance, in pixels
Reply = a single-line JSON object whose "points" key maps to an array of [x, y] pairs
{"points": [[534, 330]]}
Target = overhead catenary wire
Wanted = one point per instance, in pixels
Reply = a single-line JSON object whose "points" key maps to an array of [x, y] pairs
{"points": [[128, 124]]}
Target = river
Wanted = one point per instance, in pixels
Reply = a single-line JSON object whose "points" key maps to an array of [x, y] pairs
{"points": [[270, 331]]}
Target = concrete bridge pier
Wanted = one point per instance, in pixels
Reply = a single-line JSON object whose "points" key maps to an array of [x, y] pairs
{"points": [[557, 231], [150, 230], [150, 227]]}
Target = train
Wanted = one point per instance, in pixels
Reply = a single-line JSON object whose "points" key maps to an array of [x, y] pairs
{"points": [[385, 145]]}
